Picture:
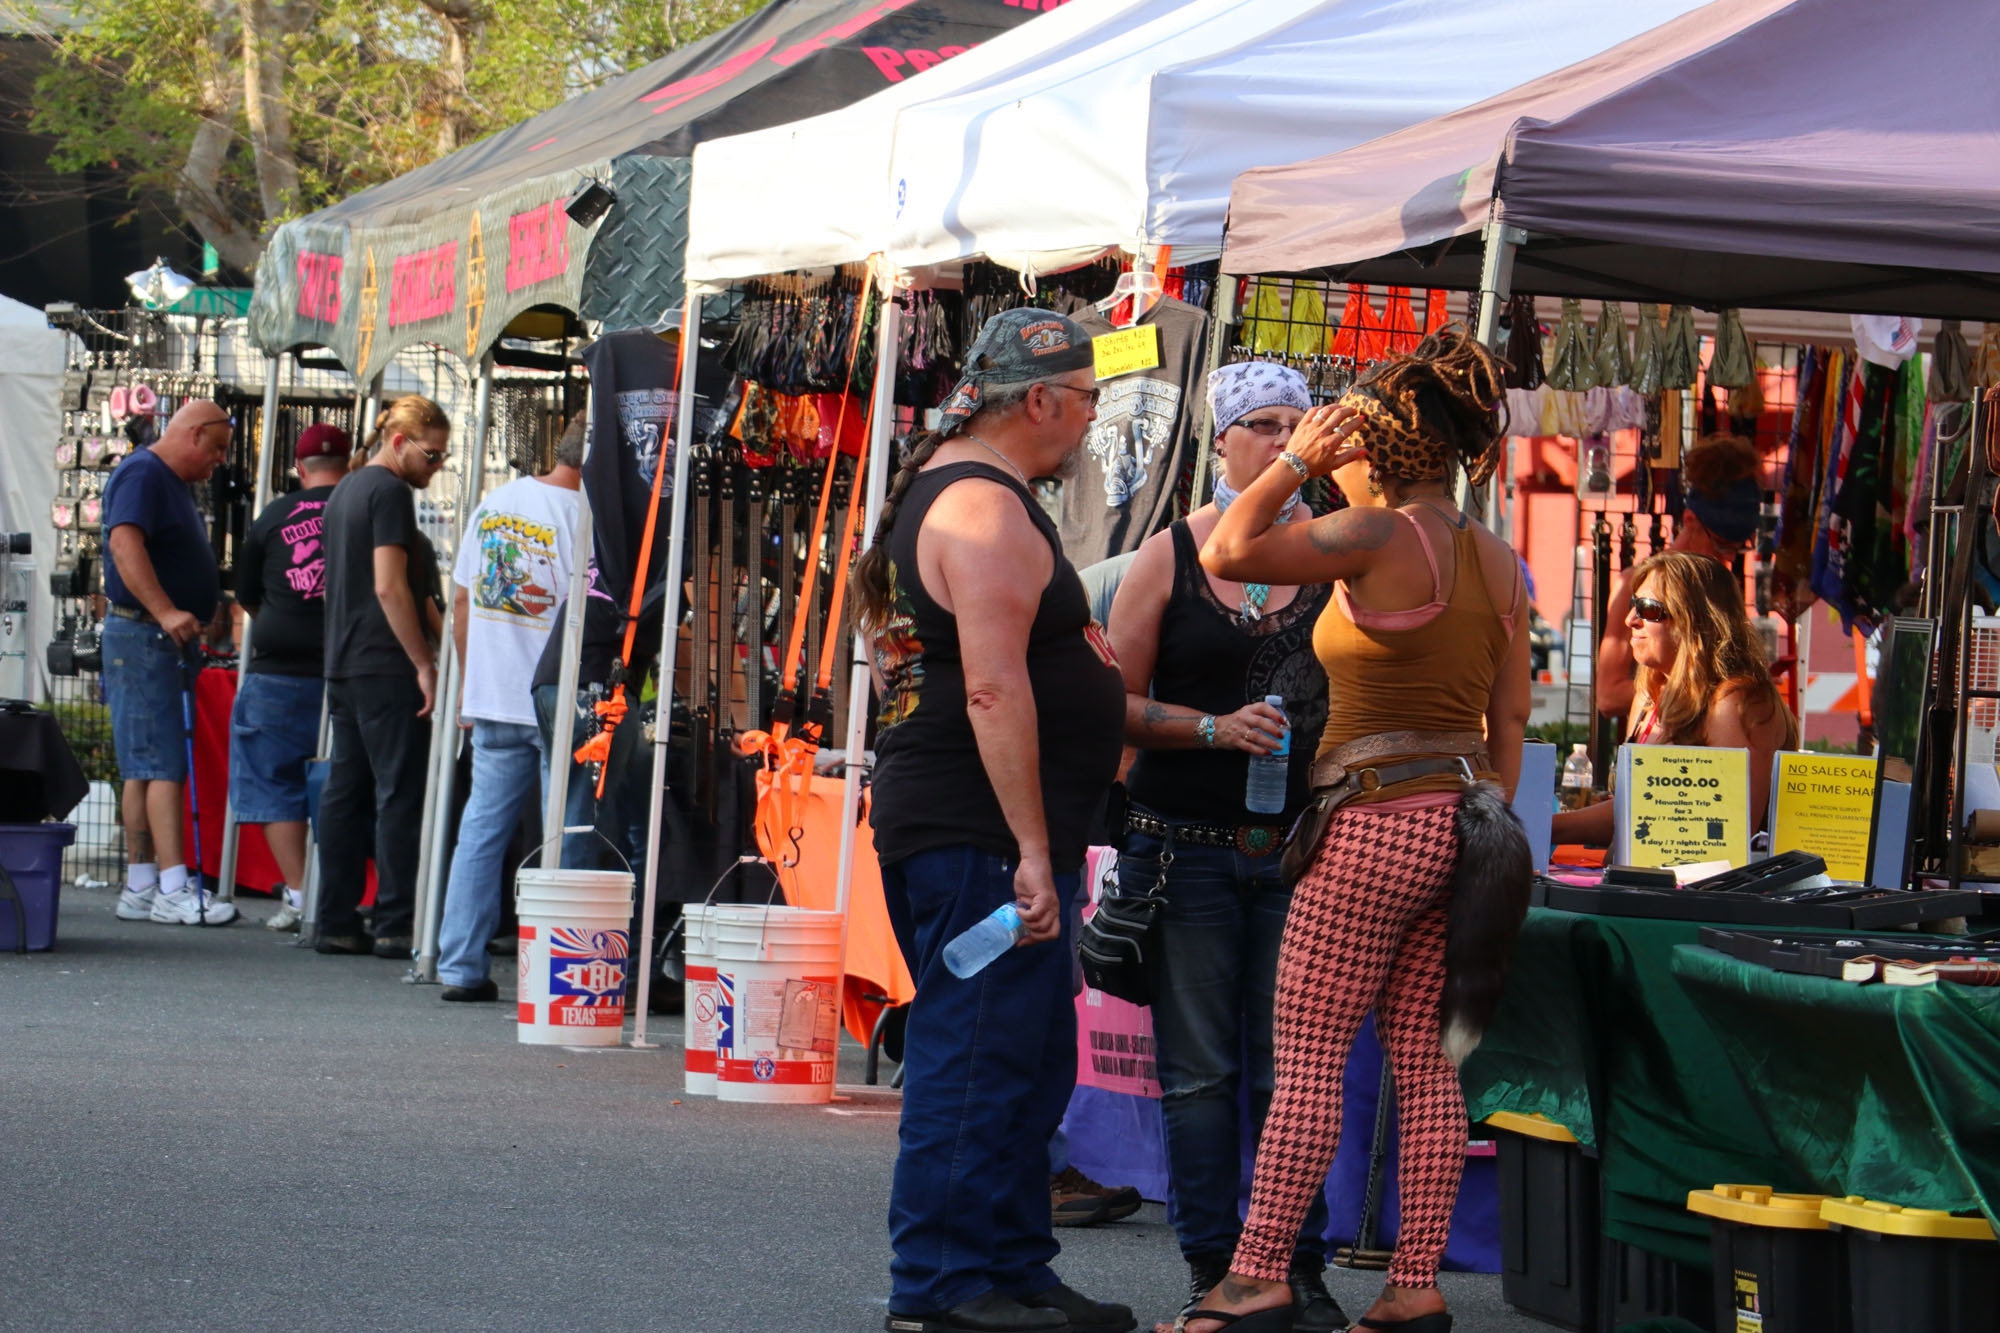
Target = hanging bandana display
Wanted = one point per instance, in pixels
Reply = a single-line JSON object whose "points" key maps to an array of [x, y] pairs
{"points": [[1612, 354]]}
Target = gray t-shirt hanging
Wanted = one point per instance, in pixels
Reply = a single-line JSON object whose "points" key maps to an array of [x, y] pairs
{"points": [[1140, 445]]}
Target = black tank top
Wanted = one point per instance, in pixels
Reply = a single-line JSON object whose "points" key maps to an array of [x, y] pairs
{"points": [[930, 789], [1212, 661]]}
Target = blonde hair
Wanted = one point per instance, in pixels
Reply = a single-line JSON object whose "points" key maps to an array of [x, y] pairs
{"points": [[412, 416], [1720, 653]]}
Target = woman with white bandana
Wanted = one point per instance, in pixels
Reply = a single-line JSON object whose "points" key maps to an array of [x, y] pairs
{"points": [[1199, 655]]}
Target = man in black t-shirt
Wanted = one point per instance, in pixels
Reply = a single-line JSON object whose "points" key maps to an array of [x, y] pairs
{"points": [[381, 677], [274, 729]]}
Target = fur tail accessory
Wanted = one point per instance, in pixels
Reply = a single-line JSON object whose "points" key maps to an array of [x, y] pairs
{"points": [[1489, 900]]}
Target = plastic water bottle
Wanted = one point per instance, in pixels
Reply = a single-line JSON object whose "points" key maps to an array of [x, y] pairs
{"points": [[991, 937], [1264, 793], [1577, 778]]}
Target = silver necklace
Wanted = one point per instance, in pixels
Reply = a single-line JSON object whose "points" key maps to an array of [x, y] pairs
{"points": [[1012, 467]]}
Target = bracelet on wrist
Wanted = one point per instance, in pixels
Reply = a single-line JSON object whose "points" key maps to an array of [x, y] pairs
{"points": [[1205, 729], [1296, 464]]}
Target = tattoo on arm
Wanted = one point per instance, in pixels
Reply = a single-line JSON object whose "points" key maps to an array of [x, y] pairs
{"points": [[1351, 530], [1155, 714]]}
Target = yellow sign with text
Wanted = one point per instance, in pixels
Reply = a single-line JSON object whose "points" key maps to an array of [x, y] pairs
{"points": [[1821, 803], [1127, 350], [1684, 805]]}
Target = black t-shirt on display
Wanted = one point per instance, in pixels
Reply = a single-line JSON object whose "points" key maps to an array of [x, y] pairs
{"points": [[1141, 443], [370, 508], [931, 790], [281, 578]]}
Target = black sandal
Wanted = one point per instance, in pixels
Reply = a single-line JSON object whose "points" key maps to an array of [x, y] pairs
{"points": [[1429, 1323]]}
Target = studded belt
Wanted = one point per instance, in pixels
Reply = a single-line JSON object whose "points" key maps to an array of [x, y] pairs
{"points": [[1249, 839]]}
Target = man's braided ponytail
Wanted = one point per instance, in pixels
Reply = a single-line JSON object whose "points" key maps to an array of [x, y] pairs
{"points": [[869, 583]]}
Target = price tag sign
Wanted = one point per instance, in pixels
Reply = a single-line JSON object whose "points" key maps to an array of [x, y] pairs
{"points": [[1821, 803], [1684, 805], [1126, 351]]}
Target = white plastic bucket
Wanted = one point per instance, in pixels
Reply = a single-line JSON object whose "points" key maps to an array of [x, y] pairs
{"points": [[698, 1011], [575, 952], [777, 990]]}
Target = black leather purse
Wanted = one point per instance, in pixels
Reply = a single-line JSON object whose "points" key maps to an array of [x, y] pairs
{"points": [[1113, 945]]}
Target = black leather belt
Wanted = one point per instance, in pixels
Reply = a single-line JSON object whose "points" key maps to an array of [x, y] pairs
{"points": [[138, 613], [1249, 839]]}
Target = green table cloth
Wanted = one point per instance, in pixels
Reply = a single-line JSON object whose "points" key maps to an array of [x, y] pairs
{"points": [[1680, 1068], [1597, 1033], [1891, 1092]]}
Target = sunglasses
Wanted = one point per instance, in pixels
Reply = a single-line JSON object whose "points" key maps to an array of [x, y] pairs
{"points": [[435, 457], [1651, 611], [1094, 395], [1269, 426]]}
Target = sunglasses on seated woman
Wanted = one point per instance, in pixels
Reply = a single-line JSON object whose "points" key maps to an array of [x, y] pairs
{"points": [[1267, 426], [1651, 611]]}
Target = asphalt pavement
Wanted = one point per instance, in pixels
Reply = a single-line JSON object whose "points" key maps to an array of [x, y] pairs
{"points": [[211, 1129]]}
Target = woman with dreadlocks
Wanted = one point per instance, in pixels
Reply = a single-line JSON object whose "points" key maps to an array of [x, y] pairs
{"points": [[1412, 876]]}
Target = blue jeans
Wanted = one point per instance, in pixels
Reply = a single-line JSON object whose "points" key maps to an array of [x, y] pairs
{"points": [[988, 1066], [506, 773], [1213, 978], [146, 677], [273, 730]]}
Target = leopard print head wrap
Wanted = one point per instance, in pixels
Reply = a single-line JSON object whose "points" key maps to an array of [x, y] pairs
{"points": [[1439, 405]]}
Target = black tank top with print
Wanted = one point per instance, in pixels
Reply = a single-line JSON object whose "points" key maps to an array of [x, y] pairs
{"points": [[1210, 660], [930, 788]]}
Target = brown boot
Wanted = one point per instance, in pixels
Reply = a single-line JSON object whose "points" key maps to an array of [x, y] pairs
{"points": [[1075, 1200]]}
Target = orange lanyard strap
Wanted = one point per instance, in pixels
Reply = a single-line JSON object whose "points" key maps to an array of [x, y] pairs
{"points": [[611, 712], [791, 680]]}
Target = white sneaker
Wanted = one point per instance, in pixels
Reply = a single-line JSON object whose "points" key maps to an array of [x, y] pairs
{"points": [[287, 917], [185, 909], [136, 904]]}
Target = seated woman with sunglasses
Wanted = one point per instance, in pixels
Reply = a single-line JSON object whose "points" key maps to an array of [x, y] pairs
{"points": [[1200, 653], [1702, 679]]}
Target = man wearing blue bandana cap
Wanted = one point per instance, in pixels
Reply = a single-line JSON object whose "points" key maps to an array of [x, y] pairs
{"points": [[1721, 475]]}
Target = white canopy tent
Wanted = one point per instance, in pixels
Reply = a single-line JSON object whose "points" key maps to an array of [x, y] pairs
{"points": [[32, 359], [1115, 123]]}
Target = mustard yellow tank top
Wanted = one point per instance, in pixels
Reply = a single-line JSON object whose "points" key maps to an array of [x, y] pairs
{"points": [[1431, 668]]}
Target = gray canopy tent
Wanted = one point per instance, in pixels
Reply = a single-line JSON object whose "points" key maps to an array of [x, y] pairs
{"points": [[1825, 155], [1834, 155]]}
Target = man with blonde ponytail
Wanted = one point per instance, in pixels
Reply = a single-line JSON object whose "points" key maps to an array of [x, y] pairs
{"points": [[1001, 729], [381, 678]]}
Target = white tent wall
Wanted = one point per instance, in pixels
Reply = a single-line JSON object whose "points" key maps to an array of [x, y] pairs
{"points": [[1116, 123], [32, 356], [818, 192]]}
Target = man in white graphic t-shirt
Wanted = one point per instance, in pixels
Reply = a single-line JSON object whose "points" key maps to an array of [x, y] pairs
{"points": [[513, 564]]}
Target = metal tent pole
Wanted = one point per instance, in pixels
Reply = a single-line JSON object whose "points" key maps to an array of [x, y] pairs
{"points": [[267, 437], [1496, 284], [670, 624], [879, 446], [431, 859], [562, 730]]}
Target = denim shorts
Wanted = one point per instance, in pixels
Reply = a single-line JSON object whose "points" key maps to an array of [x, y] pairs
{"points": [[273, 731], [145, 675]]}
